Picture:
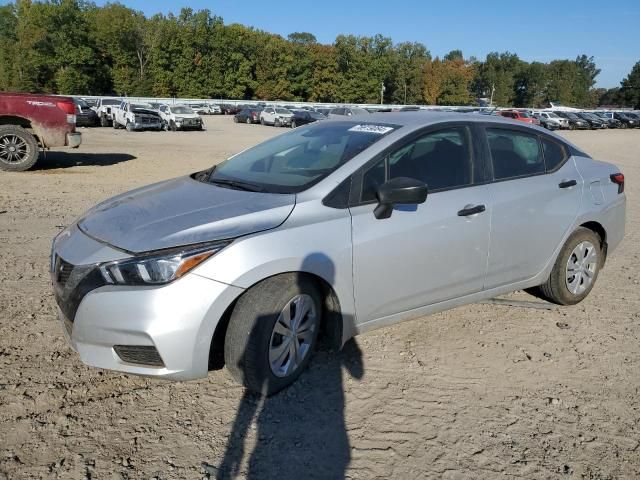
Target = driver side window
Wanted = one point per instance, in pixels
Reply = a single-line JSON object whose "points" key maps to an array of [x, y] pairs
{"points": [[440, 159]]}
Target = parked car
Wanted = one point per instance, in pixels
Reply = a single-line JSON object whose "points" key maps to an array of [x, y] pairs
{"points": [[248, 115], [324, 111], [29, 122], [575, 122], [303, 117], [85, 116], [214, 109], [180, 117], [103, 109], [346, 112], [635, 117], [201, 108], [333, 229], [562, 123], [546, 122], [520, 116], [230, 109], [276, 116], [611, 122], [595, 123], [136, 116], [626, 120]]}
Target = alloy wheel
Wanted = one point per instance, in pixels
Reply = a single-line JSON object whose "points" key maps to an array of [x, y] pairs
{"points": [[13, 149]]}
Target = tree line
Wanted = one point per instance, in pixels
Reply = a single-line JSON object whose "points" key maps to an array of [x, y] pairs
{"points": [[76, 47]]}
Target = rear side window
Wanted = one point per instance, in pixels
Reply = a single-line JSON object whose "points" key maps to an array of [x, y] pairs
{"points": [[554, 154], [514, 154], [441, 159]]}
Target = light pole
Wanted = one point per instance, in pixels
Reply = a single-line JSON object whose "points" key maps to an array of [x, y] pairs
{"points": [[382, 89], [493, 89]]}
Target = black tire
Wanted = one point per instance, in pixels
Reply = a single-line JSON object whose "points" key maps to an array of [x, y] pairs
{"points": [[20, 152], [572, 126], [261, 121], [555, 288], [249, 334], [276, 122], [129, 127], [623, 125], [235, 119], [104, 121], [248, 120], [172, 126], [293, 124]]}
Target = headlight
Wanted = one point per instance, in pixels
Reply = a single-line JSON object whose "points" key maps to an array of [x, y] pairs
{"points": [[159, 267]]}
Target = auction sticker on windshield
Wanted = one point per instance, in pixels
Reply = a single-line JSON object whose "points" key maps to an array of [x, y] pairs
{"points": [[379, 129]]}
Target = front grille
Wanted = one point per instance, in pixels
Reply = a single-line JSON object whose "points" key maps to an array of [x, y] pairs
{"points": [[63, 271], [71, 283], [139, 354]]}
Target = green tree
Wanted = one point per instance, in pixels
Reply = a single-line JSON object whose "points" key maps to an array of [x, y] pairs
{"points": [[630, 88]]}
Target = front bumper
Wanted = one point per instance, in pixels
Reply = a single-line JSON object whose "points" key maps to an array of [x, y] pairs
{"points": [[147, 126], [74, 139], [178, 320]]}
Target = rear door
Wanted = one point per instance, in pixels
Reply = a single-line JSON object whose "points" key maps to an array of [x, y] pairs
{"points": [[426, 253], [536, 196]]}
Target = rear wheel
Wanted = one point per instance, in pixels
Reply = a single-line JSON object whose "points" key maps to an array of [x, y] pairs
{"points": [[272, 332], [576, 269], [18, 149]]}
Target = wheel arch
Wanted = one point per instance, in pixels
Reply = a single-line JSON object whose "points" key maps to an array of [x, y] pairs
{"points": [[331, 326], [599, 230], [15, 120]]}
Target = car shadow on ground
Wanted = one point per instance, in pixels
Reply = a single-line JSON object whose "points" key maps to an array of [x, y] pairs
{"points": [[300, 432], [53, 160]]}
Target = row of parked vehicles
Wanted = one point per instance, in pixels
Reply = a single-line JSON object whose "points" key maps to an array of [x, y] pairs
{"points": [[578, 120]]}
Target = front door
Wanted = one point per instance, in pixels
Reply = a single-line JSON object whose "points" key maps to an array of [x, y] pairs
{"points": [[428, 253]]}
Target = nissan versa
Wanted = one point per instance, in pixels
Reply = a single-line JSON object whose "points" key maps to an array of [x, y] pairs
{"points": [[331, 229]]}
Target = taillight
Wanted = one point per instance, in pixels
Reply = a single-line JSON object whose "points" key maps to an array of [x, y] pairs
{"points": [[70, 109], [618, 179]]}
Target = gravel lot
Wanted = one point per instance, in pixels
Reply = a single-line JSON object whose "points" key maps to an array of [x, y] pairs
{"points": [[482, 391]]}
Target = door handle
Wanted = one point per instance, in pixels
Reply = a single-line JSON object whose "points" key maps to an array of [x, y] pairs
{"points": [[567, 183], [471, 210]]}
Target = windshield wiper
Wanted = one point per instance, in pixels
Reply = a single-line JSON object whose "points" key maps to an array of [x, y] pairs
{"points": [[249, 187]]}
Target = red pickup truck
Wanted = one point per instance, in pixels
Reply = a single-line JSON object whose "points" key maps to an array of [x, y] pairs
{"points": [[29, 122]]}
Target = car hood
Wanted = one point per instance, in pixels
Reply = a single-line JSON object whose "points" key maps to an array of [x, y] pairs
{"points": [[181, 212], [148, 111]]}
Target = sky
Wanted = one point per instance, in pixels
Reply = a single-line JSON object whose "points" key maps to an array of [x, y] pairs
{"points": [[540, 30]]}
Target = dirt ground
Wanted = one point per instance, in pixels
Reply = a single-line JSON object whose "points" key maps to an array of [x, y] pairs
{"points": [[482, 391]]}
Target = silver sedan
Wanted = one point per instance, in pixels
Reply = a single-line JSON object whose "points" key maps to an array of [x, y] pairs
{"points": [[331, 229]]}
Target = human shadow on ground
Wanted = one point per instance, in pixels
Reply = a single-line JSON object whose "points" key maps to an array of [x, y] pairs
{"points": [[300, 432]]}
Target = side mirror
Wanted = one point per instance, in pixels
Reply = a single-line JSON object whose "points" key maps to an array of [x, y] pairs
{"points": [[399, 191]]}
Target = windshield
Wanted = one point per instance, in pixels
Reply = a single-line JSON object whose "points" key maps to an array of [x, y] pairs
{"points": [[282, 110], [141, 105], [108, 101], [572, 116], [181, 110], [552, 115], [359, 111], [292, 162], [524, 115]]}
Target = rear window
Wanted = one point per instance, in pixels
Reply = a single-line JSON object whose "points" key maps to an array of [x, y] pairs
{"points": [[514, 154]]}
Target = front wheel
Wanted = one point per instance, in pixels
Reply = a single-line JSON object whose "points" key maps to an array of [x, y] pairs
{"points": [[104, 121], [293, 124], [248, 120], [576, 269], [272, 332], [276, 122], [129, 127]]}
